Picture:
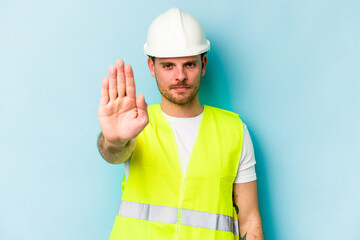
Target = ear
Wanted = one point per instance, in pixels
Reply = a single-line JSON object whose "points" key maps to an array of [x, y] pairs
{"points": [[203, 65], [151, 67]]}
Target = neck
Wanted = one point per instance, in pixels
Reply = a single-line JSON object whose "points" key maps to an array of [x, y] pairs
{"points": [[191, 109]]}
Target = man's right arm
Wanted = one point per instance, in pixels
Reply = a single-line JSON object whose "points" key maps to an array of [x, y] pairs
{"points": [[115, 153], [122, 116]]}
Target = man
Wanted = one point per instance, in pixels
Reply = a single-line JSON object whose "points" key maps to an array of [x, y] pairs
{"points": [[185, 163]]}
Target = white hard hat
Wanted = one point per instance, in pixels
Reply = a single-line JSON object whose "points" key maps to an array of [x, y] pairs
{"points": [[175, 34]]}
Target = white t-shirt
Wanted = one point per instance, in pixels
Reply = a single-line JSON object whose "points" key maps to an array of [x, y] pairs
{"points": [[185, 131]]}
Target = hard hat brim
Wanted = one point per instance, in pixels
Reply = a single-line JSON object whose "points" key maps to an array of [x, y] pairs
{"points": [[178, 52]]}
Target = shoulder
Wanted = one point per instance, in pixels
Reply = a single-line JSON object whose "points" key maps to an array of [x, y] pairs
{"points": [[228, 115], [153, 107], [154, 111]]}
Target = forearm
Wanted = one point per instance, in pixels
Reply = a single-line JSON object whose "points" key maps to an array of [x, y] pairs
{"points": [[252, 228], [115, 153], [245, 198]]}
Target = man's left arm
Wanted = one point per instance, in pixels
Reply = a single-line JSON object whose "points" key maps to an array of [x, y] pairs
{"points": [[245, 198]]}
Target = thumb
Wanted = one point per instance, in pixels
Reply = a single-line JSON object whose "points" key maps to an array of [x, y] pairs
{"points": [[142, 108], [140, 102]]}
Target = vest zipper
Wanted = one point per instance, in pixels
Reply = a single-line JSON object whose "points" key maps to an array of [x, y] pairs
{"points": [[182, 182], [183, 185], [178, 221]]}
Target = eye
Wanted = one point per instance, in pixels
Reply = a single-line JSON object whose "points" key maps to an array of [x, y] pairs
{"points": [[190, 64], [167, 65]]}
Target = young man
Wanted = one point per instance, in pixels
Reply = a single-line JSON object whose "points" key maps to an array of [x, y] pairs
{"points": [[185, 164]]}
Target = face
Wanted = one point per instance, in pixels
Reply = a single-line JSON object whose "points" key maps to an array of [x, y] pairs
{"points": [[178, 79]]}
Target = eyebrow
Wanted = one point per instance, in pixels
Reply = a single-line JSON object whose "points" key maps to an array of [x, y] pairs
{"points": [[193, 62], [171, 63], [163, 63]]}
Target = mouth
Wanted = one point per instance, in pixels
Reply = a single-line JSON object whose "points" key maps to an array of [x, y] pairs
{"points": [[180, 87]]}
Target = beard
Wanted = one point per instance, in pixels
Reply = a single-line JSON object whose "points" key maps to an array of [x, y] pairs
{"points": [[180, 98]]}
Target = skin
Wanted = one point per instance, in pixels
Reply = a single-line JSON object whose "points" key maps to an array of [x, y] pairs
{"points": [[178, 80], [122, 116], [246, 200]]}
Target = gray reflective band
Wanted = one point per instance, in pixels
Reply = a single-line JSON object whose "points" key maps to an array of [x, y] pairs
{"points": [[207, 220], [236, 227], [148, 212], [189, 217]]}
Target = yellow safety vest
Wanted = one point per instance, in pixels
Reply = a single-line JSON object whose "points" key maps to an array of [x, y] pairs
{"points": [[157, 204]]}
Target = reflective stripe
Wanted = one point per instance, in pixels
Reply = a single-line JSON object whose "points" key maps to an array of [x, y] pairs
{"points": [[236, 227], [207, 220], [148, 212], [156, 213]]}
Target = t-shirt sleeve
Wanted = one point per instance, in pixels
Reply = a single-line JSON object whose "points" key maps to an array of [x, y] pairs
{"points": [[246, 171]]}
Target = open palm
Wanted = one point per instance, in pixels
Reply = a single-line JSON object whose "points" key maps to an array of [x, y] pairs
{"points": [[121, 116]]}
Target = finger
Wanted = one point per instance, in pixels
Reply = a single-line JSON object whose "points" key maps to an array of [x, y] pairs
{"points": [[104, 94], [120, 78], [140, 102], [112, 83], [130, 84], [141, 108]]}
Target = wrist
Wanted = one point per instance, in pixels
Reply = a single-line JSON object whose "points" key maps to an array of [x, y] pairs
{"points": [[116, 145]]}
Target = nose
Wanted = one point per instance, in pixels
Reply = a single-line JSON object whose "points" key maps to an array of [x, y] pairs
{"points": [[180, 74]]}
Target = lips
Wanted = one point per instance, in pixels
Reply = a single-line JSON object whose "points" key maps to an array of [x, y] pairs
{"points": [[180, 87]]}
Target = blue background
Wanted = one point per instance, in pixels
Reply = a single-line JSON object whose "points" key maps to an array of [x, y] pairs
{"points": [[289, 68]]}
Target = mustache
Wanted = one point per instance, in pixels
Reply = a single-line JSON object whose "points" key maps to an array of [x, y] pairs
{"points": [[180, 85]]}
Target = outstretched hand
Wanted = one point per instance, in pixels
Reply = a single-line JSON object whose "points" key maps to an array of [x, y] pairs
{"points": [[121, 116]]}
